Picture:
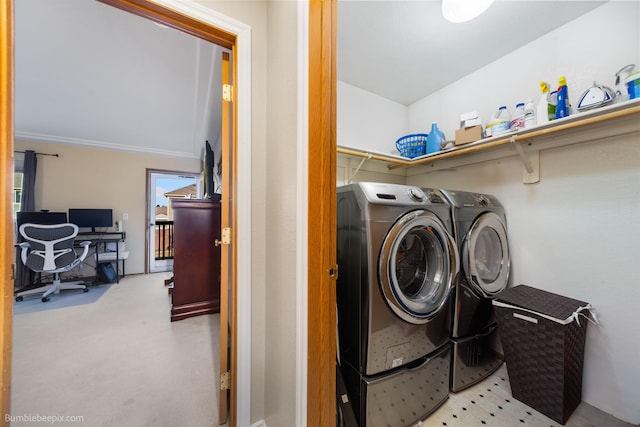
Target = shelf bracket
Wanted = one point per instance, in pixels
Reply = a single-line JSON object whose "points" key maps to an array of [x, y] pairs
{"points": [[530, 164], [353, 175]]}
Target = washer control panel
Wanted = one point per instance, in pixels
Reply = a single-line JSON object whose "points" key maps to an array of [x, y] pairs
{"points": [[397, 194], [416, 194]]}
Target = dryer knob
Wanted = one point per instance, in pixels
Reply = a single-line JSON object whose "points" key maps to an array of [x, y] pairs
{"points": [[483, 200], [416, 194]]}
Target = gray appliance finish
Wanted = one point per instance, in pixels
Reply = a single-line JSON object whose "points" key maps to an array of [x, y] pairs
{"points": [[480, 230], [405, 396], [397, 266]]}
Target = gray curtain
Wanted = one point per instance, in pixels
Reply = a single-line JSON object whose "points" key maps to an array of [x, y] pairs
{"points": [[27, 204]]}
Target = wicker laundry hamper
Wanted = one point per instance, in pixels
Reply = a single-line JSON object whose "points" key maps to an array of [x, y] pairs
{"points": [[543, 337]]}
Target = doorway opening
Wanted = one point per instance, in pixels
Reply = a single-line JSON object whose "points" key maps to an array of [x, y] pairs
{"points": [[202, 22], [162, 187]]}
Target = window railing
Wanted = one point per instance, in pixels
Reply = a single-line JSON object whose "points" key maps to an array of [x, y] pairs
{"points": [[164, 240]]}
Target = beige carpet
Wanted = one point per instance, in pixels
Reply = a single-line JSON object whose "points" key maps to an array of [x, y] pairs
{"points": [[116, 362]]}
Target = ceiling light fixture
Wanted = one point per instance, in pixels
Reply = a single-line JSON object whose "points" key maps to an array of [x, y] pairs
{"points": [[464, 10]]}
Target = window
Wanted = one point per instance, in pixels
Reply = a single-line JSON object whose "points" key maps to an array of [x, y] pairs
{"points": [[17, 192]]}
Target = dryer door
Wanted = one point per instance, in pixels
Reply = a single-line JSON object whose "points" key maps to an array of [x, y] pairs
{"points": [[417, 266], [485, 255]]}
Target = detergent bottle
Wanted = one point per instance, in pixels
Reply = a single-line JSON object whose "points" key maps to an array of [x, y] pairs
{"points": [[500, 122], [517, 120], [529, 114], [562, 109], [543, 109], [434, 139]]}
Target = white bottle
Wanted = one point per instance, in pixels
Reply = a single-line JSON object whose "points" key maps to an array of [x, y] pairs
{"points": [[542, 111], [517, 122], [499, 122], [529, 114]]}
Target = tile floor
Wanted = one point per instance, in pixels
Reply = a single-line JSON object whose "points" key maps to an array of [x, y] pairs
{"points": [[489, 403]]}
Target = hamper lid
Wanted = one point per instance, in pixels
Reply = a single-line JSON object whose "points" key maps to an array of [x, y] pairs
{"points": [[547, 303]]}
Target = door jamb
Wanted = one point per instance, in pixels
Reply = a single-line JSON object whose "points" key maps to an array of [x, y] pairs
{"points": [[6, 207], [321, 217]]}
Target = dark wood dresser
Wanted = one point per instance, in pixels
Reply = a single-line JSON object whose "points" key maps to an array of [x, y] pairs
{"points": [[196, 260]]}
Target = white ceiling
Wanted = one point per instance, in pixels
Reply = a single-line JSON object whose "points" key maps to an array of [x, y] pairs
{"points": [[406, 50], [89, 74]]}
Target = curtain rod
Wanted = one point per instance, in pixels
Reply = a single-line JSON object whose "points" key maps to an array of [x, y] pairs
{"points": [[41, 154]]}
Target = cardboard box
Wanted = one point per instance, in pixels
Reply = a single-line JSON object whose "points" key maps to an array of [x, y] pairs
{"points": [[468, 135], [468, 120]]}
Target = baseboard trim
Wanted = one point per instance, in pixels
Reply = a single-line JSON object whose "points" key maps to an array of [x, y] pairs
{"points": [[261, 423]]}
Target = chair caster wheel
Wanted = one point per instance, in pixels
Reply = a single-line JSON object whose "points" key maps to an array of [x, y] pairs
{"points": [[18, 299], [45, 299], [85, 290]]}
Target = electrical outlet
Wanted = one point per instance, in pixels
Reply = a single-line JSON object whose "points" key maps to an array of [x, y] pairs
{"points": [[125, 216]]}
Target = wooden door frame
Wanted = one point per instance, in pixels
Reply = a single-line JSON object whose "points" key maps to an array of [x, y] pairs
{"points": [[201, 22], [321, 257], [6, 207]]}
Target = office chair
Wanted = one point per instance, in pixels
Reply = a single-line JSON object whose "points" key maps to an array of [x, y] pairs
{"points": [[49, 249]]}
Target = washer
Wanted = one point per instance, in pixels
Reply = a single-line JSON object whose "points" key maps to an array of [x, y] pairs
{"points": [[480, 229], [397, 266]]}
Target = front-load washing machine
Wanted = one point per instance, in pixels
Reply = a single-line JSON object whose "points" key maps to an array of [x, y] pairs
{"points": [[397, 265], [480, 229]]}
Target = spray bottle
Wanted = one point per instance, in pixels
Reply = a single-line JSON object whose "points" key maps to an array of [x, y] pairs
{"points": [[543, 107], [562, 109]]}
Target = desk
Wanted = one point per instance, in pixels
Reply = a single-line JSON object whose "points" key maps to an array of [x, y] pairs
{"points": [[99, 240]]}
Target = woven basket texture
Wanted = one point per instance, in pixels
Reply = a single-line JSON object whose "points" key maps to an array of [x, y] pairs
{"points": [[545, 359], [544, 302]]}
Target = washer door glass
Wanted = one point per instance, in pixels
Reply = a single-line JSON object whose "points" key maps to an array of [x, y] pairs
{"points": [[418, 263], [485, 255]]}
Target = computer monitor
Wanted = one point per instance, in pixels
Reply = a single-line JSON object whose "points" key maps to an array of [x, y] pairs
{"points": [[41, 217], [91, 218]]}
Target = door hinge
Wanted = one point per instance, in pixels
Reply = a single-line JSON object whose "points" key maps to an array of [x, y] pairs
{"points": [[13, 272], [227, 92], [224, 381], [225, 239]]}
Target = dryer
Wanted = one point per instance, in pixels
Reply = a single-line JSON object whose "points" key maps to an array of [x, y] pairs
{"points": [[480, 230], [397, 266]]}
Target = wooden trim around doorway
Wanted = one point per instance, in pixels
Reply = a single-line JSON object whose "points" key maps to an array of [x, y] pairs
{"points": [[175, 20], [321, 357], [6, 205]]}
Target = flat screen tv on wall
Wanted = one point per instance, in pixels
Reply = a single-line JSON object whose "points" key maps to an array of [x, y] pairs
{"points": [[91, 218]]}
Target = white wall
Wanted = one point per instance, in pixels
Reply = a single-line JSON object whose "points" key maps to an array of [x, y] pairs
{"points": [[576, 232], [355, 169], [369, 121], [583, 51], [281, 219]]}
